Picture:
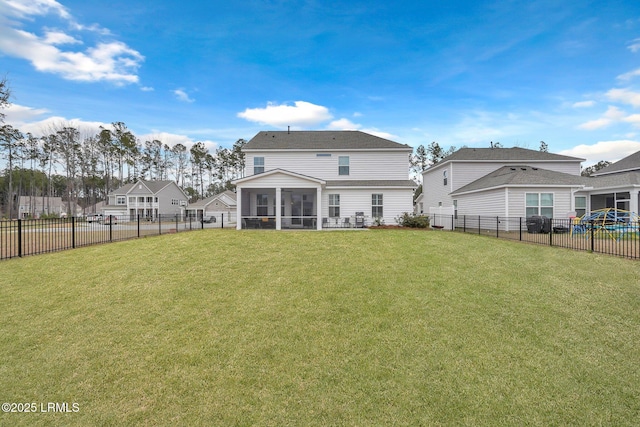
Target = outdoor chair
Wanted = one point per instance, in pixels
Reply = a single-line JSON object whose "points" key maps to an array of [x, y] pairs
{"points": [[346, 223]]}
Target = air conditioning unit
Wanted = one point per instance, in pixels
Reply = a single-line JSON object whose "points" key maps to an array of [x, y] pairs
{"points": [[183, 203]]}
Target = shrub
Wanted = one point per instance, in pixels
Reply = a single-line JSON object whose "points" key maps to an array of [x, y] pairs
{"points": [[412, 220]]}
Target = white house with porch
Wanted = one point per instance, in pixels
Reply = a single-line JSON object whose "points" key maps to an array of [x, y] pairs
{"points": [[323, 179]]}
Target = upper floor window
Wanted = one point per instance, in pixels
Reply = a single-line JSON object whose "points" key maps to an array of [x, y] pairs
{"points": [[376, 206], [444, 177], [121, 200], [343, 165], [258, 165], [175, 201], [539, 204]]}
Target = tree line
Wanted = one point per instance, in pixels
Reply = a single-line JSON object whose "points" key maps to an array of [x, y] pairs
{"points": [[83, 168]]}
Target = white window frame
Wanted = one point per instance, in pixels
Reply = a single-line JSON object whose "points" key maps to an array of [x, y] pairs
{"points": [[578, 208], [262, 205], [334, 205], [121, 200], [377, 205], [258, 165], [343, 165], [540, 207]]}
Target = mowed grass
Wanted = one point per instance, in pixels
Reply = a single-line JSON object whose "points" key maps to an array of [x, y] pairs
{"points": [[379, 327]]}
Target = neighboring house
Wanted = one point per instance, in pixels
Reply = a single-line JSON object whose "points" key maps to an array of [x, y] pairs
{"points": [[516, 182], [215, 206], [617, 185], [94, 209], [147, 199], [316, 179], [35, 206]]}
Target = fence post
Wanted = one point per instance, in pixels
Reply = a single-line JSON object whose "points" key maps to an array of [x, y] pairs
{"points": [[550, 231], [19, 237], [159, 224], [479, 224], [498, 227], [520, 227], [464, 223], [222, 220], [591, 232], [176, 223], [138, 221], [110, 217], [73, 232]]}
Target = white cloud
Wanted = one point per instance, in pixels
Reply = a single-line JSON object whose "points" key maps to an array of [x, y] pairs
{"points": [[58, 37], [343, 124], [583, 104], [380, 134], [630, 75], [603, 150], [301, 114], [634, 46], [147, 89], [25, 9], [624, 96], [182, 95], [612, 115], [112, 61]]}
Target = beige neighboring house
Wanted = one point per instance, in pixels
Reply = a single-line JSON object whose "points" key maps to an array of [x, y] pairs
{"points": [[147, 199], [215, 206], [36, 206]]}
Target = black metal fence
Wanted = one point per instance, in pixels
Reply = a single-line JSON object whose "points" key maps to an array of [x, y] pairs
{"points": [[24, 237], [612, 238]]}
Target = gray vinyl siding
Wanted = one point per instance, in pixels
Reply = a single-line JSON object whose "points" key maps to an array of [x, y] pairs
{"points": [[464, 173], [562, 204], [433, 189], [387, 165], [485, 203], [461, 173], [395, 202], [164, 200]]}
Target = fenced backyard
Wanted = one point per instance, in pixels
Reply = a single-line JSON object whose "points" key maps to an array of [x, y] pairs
{"points": [[618, 238], [25, 237]]}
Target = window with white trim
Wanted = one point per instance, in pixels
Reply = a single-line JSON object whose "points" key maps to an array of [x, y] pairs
{"points": [[444, 176], [334, 205], [258, 165], [376, 206], [343, 165], [262, 205], [539, 204], [580, 206], [121, 200]]}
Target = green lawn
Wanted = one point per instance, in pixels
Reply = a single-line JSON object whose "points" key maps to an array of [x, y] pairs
{"points": [[356, 328]]}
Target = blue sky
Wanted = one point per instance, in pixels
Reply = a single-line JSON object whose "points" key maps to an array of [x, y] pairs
{"points": [[456, 72]]}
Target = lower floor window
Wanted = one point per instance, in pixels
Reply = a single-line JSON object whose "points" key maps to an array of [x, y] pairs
{"points": [[334, 205], [376, 206], [539, 204], [262, 205], [581, 206]]}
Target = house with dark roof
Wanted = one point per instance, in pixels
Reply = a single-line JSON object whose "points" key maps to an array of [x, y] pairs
{"points": [[516, 182], [221, 207], [322, 179], [146, 199]]}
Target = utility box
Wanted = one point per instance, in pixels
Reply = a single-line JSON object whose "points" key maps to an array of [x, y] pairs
{"points": [[538, 224]]}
